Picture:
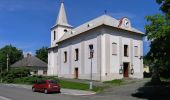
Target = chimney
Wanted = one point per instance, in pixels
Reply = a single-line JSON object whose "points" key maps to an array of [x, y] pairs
{"points": [[28, 55]]}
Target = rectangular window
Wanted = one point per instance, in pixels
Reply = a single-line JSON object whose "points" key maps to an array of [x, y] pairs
{"points": [[54, 35], [136, 51], [45, 72], [126, 51], [76, 54], [91, 51], [65, 57], [35, 72], [114, 48]]}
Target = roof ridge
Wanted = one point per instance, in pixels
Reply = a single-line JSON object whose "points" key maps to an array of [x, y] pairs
{"points": [[103, 19]]}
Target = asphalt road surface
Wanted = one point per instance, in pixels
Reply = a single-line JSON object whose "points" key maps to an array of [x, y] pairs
{"points": [[116, 93]]}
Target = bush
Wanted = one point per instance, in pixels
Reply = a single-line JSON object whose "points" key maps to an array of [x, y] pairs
{"points": [[32, 79], [165, 74], [15, 73]]}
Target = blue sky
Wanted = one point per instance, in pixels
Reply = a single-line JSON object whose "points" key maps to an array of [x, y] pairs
{"points": [[26, 23]]}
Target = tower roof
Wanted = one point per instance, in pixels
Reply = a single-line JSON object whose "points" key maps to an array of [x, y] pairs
{"points": [[62, 17]]}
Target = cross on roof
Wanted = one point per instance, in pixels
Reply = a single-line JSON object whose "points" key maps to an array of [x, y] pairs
{"points": [[62, 1]]}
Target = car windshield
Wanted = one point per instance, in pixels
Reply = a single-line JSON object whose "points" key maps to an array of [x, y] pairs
{"points": [[40, 82], [53, 82]]}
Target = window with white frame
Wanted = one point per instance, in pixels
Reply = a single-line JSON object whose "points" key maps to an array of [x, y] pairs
{"points": [[136, 53], [114, 48]]}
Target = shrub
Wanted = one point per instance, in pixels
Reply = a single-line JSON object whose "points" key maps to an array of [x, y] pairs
{"points": [[32, 79], [15, 73]]}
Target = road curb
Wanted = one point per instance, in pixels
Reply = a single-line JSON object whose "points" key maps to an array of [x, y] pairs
{"points": [[63, 91], [79, 94]]}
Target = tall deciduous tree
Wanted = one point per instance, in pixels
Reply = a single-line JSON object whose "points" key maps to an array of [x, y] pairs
{"points": [[42, 54], [164, 6], [14, 55], [158, 32]]}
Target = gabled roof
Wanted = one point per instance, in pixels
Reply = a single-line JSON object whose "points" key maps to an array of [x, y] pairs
{"points": [[102, 20], [30, 61]]}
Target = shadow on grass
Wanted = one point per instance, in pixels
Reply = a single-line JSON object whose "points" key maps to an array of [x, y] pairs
{"points": [[152, 91]]}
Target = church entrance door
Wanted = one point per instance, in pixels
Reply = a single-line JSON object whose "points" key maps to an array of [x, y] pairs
{"points": [[76, 73], [126, 70]]}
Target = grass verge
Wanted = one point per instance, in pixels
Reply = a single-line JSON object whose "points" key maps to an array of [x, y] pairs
{"points": [[115, 82], [79, 86]]}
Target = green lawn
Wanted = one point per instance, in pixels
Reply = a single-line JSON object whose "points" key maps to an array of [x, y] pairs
{"points": [[115, 82], [79, 86], [73, 85]]}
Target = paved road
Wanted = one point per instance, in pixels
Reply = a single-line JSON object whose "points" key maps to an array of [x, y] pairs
{"points": [[116, 93]]}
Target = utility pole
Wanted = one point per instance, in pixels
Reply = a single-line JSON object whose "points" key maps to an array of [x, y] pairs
{"points": [[1, 71], [91, 57], [7, 65], [1, 74]]}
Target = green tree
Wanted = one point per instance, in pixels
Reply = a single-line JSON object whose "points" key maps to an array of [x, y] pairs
{"points": [[164, 6], [42, 54], [13, 53], [158, 32]]}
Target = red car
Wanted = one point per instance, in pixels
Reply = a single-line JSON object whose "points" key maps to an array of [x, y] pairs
{"points": [[46, 86]]}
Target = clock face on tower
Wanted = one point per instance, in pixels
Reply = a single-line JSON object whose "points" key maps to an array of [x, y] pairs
{"points": [[126, 23]]}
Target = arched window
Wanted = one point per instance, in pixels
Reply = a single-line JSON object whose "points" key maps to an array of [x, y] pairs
{"points": [[65, 56], [114, 48], [126, 50], [136, 53], [76, 54], [65, 30]]}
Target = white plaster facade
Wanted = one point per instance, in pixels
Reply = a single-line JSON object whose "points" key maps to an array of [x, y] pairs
{"points": [[101, 32]]}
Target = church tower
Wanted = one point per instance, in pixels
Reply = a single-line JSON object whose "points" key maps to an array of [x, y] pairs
{"points": [[61, 27]]}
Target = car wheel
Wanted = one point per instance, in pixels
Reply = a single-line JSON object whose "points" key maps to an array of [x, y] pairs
{"points": [[45, 91], [33, 89]]}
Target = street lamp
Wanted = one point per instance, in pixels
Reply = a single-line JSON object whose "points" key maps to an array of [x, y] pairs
{"points": [[91, 57]]}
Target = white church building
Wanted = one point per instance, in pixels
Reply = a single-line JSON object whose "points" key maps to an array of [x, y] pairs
{"points": [[101, 49]]}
